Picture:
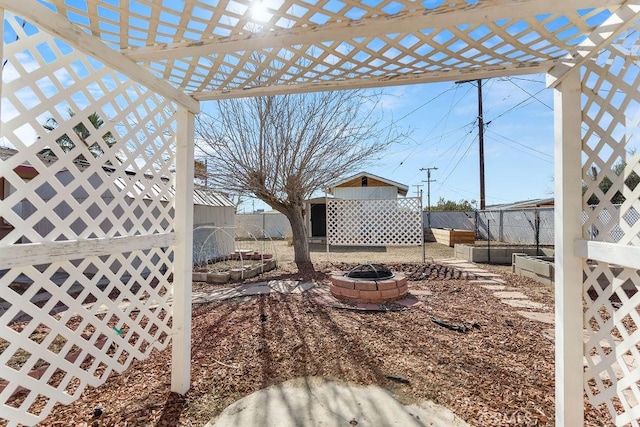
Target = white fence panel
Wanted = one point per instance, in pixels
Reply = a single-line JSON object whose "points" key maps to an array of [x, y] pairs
{"points": [[383, 222], [87, 217], [611, 202]]}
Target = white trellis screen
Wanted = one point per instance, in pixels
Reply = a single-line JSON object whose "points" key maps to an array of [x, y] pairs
{"points": [[382, 222], [87, 213], [610, 170]]}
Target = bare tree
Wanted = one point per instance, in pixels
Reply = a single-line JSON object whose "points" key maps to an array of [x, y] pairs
{"points": [[283, 148]]}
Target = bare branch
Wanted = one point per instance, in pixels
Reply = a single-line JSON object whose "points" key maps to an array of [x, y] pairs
{"points": [[283, 148]]}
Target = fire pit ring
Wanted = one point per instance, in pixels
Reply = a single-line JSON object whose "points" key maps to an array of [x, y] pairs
{"points": [[370, 272], [369, 283]]}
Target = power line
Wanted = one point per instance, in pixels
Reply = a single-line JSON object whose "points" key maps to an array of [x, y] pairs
{"points": [[419, 107], [422, 149], [457, 146], [520, 144], [525, 80], [518, 105], [530, 95], [426, 137], [458, 163]]}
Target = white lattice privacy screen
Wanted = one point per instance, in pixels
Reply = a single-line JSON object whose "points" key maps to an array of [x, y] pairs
{"points": [[86, 207], [383, 222], [611, 171]]}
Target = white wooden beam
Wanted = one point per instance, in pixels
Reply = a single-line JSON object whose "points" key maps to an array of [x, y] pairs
{"points": [[404, 22], [568, 275], [183, 255], [70, 33], [384, 81], [14, 256], [611, 253], [623, 19]]}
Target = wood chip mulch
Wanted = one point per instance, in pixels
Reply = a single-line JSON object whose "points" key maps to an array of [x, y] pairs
{"points": [[498, 373]]}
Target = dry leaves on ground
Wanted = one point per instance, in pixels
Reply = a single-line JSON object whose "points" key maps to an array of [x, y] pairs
{"points": [[501, 373]]}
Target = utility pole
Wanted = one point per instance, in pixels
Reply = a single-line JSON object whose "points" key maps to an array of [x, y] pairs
{"points": [[480, 139], [481, 144], [429, 181]]}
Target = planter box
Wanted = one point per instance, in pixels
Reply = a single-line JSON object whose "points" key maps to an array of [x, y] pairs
{"points": [[541, 269], [222, 277], [236, 273], [199, 277], [499, 254], [451, 237], [270, 265]]}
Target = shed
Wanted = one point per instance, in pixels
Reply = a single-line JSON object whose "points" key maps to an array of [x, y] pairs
{"points": [[212, 208], [361, 186], [364, 185], [214, 220]]}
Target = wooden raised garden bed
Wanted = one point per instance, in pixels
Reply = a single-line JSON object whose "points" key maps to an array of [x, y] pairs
{"points": [[450, 236]]}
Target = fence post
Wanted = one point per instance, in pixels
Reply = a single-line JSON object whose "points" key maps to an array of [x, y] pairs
{"points": [[537, 219], [501, 226], [488, 241], [477, 227], [264, 225]]}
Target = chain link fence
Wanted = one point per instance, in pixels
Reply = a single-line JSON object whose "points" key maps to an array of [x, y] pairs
{"points": [[274, 225], [533, 226]]}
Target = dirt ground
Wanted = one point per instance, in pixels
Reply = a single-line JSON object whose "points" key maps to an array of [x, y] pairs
{"points": [[499, 373], [390, 254]]}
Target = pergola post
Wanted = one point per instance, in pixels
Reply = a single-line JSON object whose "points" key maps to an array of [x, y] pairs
{"points": [[568, 274], [183, 255]]}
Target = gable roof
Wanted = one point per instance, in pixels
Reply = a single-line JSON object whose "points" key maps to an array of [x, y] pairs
{"points": [[206, 197], [402, 189]]}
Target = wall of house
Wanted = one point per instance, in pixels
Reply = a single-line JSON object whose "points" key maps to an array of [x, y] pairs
{"points": [[363, 193]]}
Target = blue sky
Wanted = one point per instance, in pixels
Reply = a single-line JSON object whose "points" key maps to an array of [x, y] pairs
{"points": [[441, 119]]}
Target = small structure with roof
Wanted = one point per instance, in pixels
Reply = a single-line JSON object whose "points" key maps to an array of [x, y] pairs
{"points": [[361, 186], [365, 210], [364, 185]]}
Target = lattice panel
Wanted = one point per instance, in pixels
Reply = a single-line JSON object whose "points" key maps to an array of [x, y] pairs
{"points": [[612, 350], [383, 222], [223, 48], [93, 147], [611, 163], [611, 198], [86, 161], [70, 324]]}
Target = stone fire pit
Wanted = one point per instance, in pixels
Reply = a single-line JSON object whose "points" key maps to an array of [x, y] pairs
{"points": [[369, 283]]}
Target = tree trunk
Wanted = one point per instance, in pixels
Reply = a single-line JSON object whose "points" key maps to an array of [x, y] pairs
{"points": [[302, 256]]}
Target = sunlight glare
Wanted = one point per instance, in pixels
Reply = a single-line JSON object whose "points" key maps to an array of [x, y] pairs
{"points": [[259, 12]]}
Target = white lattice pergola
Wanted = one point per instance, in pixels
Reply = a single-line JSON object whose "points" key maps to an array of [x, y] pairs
{"points": [[97, 109]]}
